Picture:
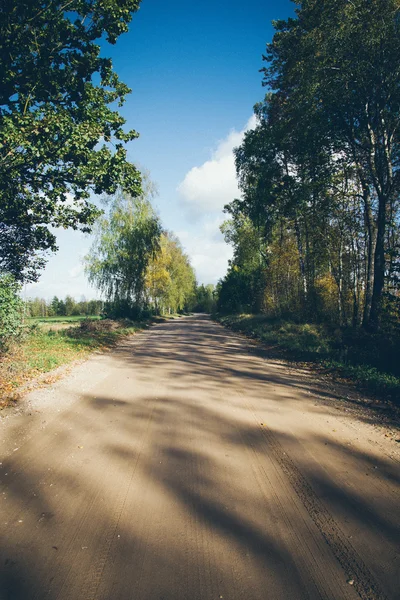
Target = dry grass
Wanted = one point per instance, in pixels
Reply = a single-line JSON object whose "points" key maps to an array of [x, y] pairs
{"points": [[44, 349]]}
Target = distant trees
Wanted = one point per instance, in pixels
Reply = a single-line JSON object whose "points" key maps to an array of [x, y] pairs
{"points": [[170, 279], [127, 238], [39, 307], [61, 137], [55, 307], [319, 174], [135, 263], [204, 298]]}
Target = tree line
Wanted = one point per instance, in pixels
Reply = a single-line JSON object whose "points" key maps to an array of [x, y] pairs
{"points": [[137, 265], [163, 288], [58, 307], [316, 231]]}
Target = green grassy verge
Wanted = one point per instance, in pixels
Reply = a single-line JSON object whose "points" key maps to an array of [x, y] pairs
{"points": [[64, 319], [41, 350], [57, 323], [317, 343]]}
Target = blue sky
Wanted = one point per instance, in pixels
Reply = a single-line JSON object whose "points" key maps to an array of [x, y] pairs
{"points": [[194, 72]]}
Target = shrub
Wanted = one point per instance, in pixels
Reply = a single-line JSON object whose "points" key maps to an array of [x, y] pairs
{"points": [[11, 311], [123, 309], [88, 325]]}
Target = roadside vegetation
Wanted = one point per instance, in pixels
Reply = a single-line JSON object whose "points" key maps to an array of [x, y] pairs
{"points": [[32, 346], [43, 346], [370, 362], [316, 232]]}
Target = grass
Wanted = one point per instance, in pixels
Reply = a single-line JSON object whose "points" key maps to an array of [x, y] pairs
{"points": [[41, 350], [58, 323], [63, 319], [317, 343]]}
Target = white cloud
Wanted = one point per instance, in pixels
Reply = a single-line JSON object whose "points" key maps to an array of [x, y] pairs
{"points": [[208, 252], [208, 188], [76, 271], [204, 192]]}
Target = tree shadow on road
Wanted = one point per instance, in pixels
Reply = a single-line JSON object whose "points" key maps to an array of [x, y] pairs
{"points": [[182, 493]]}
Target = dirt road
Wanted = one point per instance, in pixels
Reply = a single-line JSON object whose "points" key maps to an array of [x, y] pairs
{"points": [[186, 466]]}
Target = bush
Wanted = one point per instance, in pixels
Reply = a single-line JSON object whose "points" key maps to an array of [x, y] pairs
{"points": [[88, 325], [11, 311]]}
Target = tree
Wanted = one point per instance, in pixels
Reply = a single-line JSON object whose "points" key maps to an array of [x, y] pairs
{"points": [[70, 306], [95, 307], [170, 278], [62, 309], [243, 287], [82, 307], [182, 275], [333, 66], [158, 277], [61, 138], [319, 174], [204, 299], [127, 237], [37, 307], [55, 306]]}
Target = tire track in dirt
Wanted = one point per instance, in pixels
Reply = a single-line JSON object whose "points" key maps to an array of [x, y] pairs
{"points": [[352, 564], [205, 497], [93, 579]]}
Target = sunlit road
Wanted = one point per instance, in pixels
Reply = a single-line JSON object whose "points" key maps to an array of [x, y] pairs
{"points": [[186, 466]]}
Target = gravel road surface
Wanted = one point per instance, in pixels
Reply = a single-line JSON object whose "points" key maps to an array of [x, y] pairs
{"points": [[184, 465]]}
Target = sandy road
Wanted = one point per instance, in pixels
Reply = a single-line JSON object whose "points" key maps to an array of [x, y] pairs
{"points": [[183, 466]]}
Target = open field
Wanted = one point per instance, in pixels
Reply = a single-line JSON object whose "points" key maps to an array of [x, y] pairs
{"points": [[58, 323]]}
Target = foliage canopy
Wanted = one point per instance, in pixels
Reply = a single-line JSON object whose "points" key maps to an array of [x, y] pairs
{"points": [[319, 174], [61, 137], [127, 238], [170, 279]]}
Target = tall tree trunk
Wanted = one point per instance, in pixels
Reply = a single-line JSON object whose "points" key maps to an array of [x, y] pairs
{"points": [[379, 264], [371, 239], [342, 316], [355, 284], [381, 170], [310, 298], [301, 259]]}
